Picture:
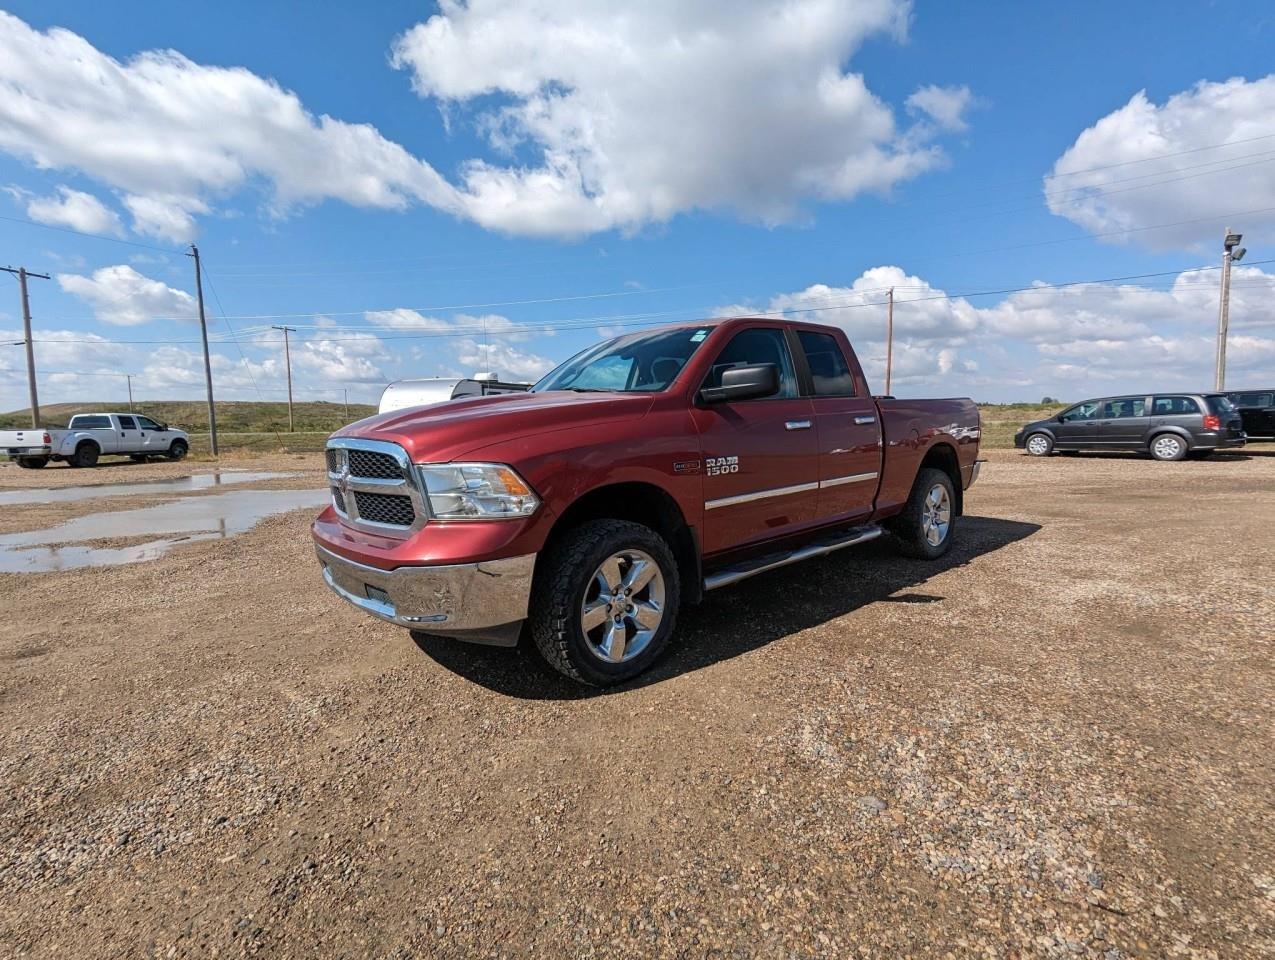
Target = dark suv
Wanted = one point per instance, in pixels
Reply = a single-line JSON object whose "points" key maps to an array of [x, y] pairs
{"points": [[1169, 426], [1257, 410]]}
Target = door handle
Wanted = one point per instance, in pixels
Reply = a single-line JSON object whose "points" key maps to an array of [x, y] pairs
{"points": [[861, 421], [797, 425]]}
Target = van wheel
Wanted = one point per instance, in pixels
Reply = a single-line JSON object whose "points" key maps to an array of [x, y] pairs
{"points": [[86, 454], [178, 450], [924, 529], [32, 463], [608, 595], [1039, 445], [1168, 446]]}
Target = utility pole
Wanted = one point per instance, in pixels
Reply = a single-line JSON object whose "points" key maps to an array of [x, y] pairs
{"points": [[22, 274], [129, 378], [889, 343], [287, 362], [346, 391], [203, 332], [1229, 242]]}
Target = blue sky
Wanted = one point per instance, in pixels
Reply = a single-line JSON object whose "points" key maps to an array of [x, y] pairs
{"points": [[496, 185]]}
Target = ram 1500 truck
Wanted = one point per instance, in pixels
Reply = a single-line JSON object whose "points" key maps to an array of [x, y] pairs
{"points": [[92, 435], [637, 475]]}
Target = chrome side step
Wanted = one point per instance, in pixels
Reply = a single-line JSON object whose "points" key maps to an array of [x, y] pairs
{"points": [[729, 575]]}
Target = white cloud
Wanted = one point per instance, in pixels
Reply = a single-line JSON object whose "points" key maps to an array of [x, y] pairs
{"points": [[170, 132], [77, 210], [620, 114], [122, 296], [1110, 179], [343, 358], [502, 359], [946, 106], [405, 319]]}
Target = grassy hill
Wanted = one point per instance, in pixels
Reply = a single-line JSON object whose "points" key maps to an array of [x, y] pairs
{"points": [[262, 427]]}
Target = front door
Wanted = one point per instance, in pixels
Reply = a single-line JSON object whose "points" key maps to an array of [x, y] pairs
{"points": [[1078, 426], [1124, 422], [849, 431], [760, 456], [153, 441]]}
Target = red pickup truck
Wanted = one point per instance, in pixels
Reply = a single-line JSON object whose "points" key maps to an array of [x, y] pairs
{"points": [[637, 475]]}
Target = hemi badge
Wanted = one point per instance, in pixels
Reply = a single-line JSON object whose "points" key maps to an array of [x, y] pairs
{"points": [[686, 466]]}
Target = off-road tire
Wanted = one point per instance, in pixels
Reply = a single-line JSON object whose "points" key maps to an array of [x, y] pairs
{"points": [[563, 575], [1041, 450], [86, 454], [1159, 447], [178, 450], [907, 527], [32, 463]]}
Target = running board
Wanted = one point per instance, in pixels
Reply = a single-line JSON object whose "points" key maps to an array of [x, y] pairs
{"points": [[773, 561]]}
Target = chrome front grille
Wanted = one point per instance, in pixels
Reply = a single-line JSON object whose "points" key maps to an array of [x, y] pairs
{"points": [[374, 486]]}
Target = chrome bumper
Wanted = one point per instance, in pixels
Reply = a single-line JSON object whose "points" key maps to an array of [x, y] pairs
{"points": [[482, 602]]}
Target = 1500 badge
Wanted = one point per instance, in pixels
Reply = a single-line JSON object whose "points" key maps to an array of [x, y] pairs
{"points": [[715, 466]]}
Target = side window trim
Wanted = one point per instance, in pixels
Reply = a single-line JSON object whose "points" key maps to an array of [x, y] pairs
{"points": [[807, 379]]}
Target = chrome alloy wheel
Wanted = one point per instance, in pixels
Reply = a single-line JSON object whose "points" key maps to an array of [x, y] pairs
{"points": [[1166, 448], [936, 515], [623, 606], [1038, 445]]}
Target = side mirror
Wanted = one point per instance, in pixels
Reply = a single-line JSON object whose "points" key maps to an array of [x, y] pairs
{"points": [[744, 383]]}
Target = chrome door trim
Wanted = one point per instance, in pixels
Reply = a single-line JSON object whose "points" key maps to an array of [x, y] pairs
{"points": [[862, 421], [851, 478], [760, 495]]}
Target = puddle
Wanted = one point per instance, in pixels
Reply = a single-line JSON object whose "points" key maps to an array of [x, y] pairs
{"points": [[203, 481], [183, 521]]}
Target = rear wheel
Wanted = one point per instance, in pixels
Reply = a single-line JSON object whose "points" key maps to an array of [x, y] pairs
{"points": [[924, 528], [1168, 446], [178, 450], [32, 463], [610, 594], [1040, 445], [86, 454]]}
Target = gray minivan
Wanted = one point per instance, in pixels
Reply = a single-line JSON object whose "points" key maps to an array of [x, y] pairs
{"points": [[1169, 426]]}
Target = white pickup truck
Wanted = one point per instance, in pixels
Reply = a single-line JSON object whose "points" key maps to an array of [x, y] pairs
{"points": [[92, 435]]}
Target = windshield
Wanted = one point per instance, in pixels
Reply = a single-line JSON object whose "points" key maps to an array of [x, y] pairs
{"points": [[637, 363]]}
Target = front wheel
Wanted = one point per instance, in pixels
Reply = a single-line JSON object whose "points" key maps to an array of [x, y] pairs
{"points": [[1039, 445], [1168, 446], [605, 601], [924, 528], [178, 450]]}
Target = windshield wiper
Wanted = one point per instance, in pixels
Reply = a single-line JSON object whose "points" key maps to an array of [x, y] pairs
{"points": [[587, 389]]}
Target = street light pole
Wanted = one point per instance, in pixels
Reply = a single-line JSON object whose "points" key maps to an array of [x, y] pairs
{"points": [[1230, 241]]}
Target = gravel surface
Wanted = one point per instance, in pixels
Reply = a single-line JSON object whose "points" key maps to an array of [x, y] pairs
{"points": [[1055, 742]]}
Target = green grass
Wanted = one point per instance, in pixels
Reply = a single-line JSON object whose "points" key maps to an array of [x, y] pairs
{"points": [[245, 427]]}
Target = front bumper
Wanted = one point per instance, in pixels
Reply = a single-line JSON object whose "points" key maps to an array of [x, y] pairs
{"points": [[482, 602], [975, 467]]}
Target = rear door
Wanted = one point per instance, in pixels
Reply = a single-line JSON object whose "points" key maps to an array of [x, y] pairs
{"points": [[760, 456], [848, 428], [1124, 422], [130, 437], [1078, 425]]}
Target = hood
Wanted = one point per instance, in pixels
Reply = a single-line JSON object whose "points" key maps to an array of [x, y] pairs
{"points": [[446, 431]]}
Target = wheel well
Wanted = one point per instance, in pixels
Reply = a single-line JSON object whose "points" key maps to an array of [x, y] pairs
{"points": [[942, 456], [650, 506], [89, 442], [1183, 435]]}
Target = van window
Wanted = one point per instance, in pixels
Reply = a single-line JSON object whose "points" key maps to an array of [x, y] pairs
{"points": [[89, 422], [1219, 404], [1119, 409], [1174, 406], [1081, 411], [828, 367]]}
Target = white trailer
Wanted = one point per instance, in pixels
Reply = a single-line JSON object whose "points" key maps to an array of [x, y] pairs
{"points": [[418, 393]]}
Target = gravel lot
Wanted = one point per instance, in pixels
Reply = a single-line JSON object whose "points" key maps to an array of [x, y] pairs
{"points": [[1055, 742]]}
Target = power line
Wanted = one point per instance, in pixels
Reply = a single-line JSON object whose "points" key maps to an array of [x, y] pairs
{"points": [[90, 236]]}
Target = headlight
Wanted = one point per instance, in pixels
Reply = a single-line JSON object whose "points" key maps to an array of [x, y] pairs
{"points": [[475, 491]]}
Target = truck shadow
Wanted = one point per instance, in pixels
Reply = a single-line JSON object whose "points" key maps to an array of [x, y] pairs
{"points": [[735, 620]]}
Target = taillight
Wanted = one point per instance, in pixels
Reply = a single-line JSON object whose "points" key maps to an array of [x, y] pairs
{"points": [[47, 439], [1212, 422]]}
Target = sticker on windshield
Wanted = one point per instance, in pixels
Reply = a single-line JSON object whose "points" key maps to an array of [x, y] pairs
{"points": [[698, 336]]}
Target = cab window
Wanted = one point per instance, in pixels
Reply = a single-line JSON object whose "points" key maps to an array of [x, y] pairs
{"points": [[1173, 406], [828, 368], [1081, 411], [1119, 409], [126, 423], [90, 422], [749, 347], [146, 423]]}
